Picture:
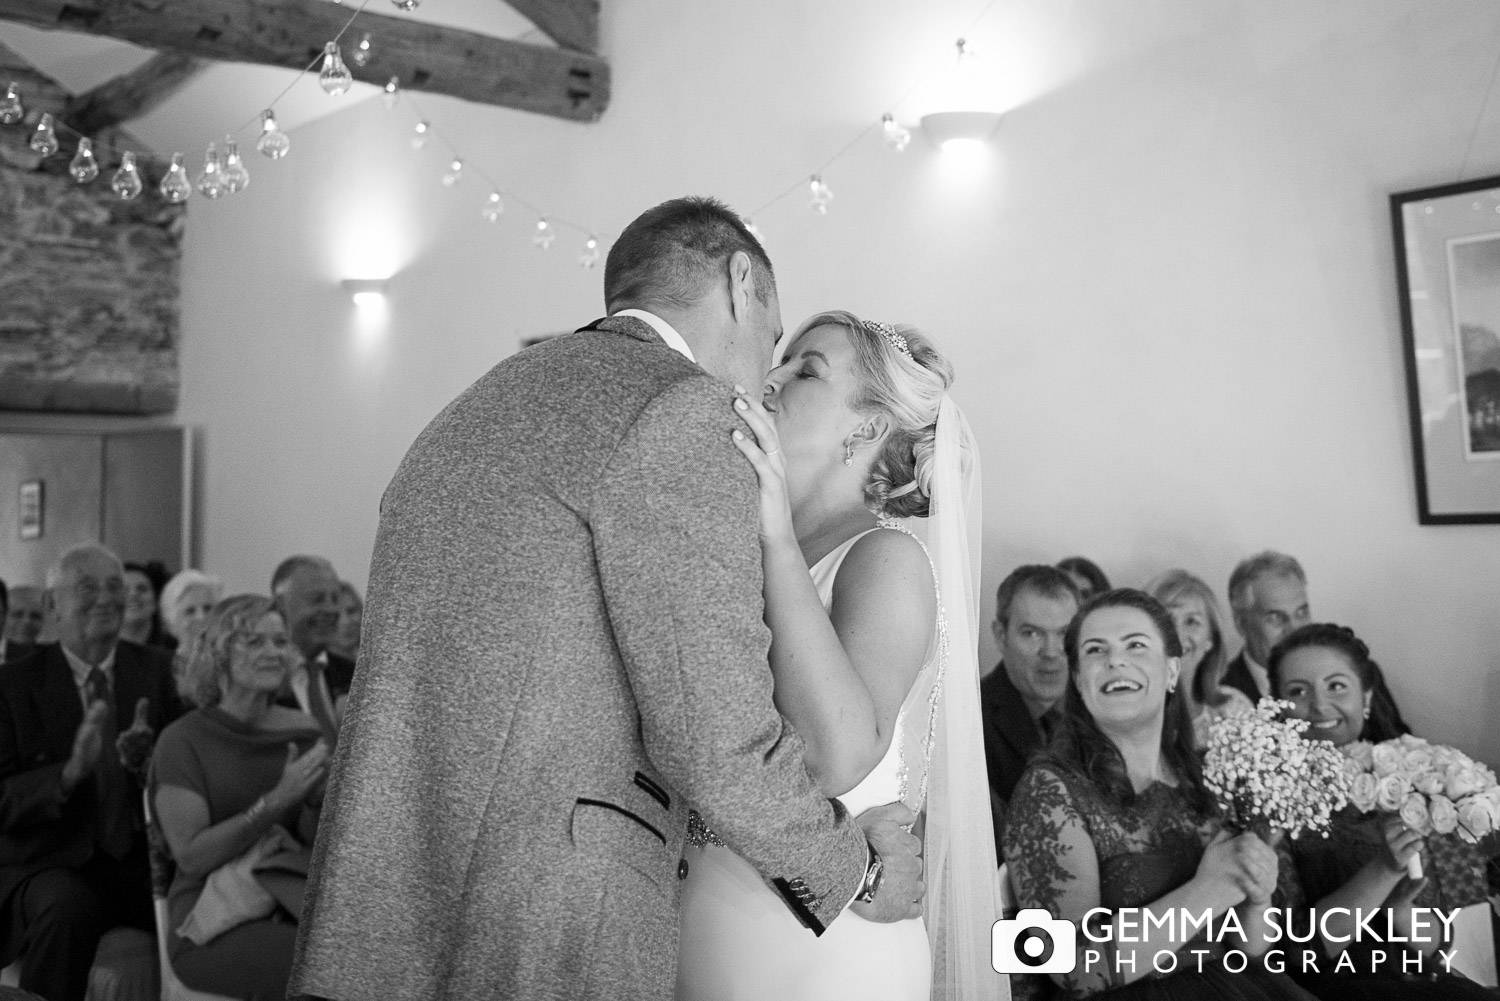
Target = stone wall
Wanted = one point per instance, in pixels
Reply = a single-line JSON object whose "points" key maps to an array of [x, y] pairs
{"points": [[89, 287]]}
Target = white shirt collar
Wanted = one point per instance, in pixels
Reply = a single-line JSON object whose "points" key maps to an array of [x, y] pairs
{"points": [[81, 668], [1261, 676], [666, 330]]}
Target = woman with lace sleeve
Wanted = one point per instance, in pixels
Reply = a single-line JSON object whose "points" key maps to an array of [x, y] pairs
{"points": [[853, 432], [1114, 820]]}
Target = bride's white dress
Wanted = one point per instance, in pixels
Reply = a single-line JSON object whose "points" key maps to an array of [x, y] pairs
{"points": [[739, 942]]}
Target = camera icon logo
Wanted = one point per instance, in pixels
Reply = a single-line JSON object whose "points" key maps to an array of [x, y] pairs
{"points": [[1033, 942]]}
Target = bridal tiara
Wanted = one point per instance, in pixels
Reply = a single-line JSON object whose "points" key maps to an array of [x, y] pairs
{"points": [[889, 333]]}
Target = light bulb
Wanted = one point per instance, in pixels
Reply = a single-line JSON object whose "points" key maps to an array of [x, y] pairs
{"points": [[361, 53], [11, 110], [127, 180], [273, 143], [236, 177], [590, 254], [392, 93], [43, 138], [211, 181], [896, 135], [175, 186], [544, 234], [84, 167], [821, 195], [455, 173], [407, 5], [419, 135], [335, 77], [493, 206]]}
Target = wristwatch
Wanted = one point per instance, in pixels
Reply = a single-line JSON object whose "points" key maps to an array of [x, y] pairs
{"points": [[870, 885]]}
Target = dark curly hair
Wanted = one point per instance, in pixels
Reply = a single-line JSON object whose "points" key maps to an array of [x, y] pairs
{"points": [[1383, 723], [1081, 747]]}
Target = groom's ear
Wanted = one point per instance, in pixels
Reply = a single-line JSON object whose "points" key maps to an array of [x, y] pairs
{"points": [[741, 285]]}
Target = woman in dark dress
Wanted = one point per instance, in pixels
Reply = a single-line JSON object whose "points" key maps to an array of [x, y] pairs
{"points": [[1326, 672], [1115, 815], [223, 776]]}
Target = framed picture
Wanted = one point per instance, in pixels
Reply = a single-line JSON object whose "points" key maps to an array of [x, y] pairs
{"points": [[31, 510], [1448, 278]]}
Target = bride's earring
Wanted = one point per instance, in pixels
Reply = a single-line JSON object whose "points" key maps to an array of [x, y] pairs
{"points": [[848, 455]]}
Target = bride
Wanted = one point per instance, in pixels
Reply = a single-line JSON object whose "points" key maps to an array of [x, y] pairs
{"points": [[874, 659]]}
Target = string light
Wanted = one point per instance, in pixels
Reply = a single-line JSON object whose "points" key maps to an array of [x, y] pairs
{"points": [[407, 5], [44, 138], [84, 167], [236, 177], [544, 234], [455, 173], [175, 186], [492, 208], [126, 183], [11, 110], [821, 195], [419, 135], [273, 143], [590, 254], [897, 137], [335, 78], [211, 181], [361, 53], [391, 93]]}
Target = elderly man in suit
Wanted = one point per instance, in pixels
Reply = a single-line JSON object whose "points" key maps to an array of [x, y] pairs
{"points": [[1019, 698], [77, 719], [309, 596], [563, 648]]}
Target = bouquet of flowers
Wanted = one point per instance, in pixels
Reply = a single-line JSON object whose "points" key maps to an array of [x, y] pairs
{"points": [[1435, 789], [1266, 774]]}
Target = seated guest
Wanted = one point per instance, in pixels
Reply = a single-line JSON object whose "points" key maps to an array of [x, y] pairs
{"points": [[25, 615], [1114, 814], [351, 618], [142, 624], [1200, 630], [223, 776], [1018, 699], [1268, 595], [1086, 576], [77, 720], [1327, 672], [186, 601], [306, 591]]}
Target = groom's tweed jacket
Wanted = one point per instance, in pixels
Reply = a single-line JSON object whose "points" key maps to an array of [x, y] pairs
{"points": [[563, 648]]}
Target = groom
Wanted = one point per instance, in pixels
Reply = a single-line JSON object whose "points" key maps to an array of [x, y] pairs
{"points": [[563, 650]]}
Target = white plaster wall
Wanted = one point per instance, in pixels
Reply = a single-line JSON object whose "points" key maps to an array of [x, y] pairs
{"points": [[1169, 290]]}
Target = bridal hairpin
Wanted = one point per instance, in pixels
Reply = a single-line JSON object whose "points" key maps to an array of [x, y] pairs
{"points": [[889, 333]]}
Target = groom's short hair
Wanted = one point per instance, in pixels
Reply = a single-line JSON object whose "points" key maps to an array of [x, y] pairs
{"points": [[671, 252]]}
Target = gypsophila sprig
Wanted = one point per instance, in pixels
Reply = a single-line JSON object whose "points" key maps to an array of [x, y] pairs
{"points": [[1264, 772]]}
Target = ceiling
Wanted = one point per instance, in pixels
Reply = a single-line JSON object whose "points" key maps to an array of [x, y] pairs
{"points": [[226, 97]]}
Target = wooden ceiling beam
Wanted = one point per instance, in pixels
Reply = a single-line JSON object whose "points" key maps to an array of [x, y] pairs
{"points": [[291, 33], [573, 24], [132, 94]]}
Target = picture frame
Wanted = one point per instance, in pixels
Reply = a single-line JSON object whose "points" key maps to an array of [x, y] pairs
{"points": [[30, 508], [1447, 243]]}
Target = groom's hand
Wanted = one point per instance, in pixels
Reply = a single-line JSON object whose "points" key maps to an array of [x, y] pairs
{"points": [[899, 895]]}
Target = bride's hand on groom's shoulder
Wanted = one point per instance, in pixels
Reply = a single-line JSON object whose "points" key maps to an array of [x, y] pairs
{"points": [[899, 894], [763, 448]]}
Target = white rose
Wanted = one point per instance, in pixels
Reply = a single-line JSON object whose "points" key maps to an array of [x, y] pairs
{"points": [[1386, 759], [1414, 813], [1390, 791], [1361, 751], [1462, 781], [1430, 783], [1474, 819], [1443, 814], [1416, 761], [1362, 792]]}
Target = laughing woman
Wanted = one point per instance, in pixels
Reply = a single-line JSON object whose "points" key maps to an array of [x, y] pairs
{"points": [[1326, 672], [1113, 819]]}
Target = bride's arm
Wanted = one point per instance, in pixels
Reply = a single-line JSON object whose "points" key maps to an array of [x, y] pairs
{"points": [[840, 678]]}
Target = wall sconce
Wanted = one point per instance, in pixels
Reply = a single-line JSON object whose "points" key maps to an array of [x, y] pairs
{"points": [[954, 130], [365, 291]]}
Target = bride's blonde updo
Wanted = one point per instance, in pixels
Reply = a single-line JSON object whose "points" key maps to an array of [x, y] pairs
{"points": [[906, 389]]}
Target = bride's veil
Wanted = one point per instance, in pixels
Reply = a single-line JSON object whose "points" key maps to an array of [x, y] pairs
{"points": [[959, 836]]}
